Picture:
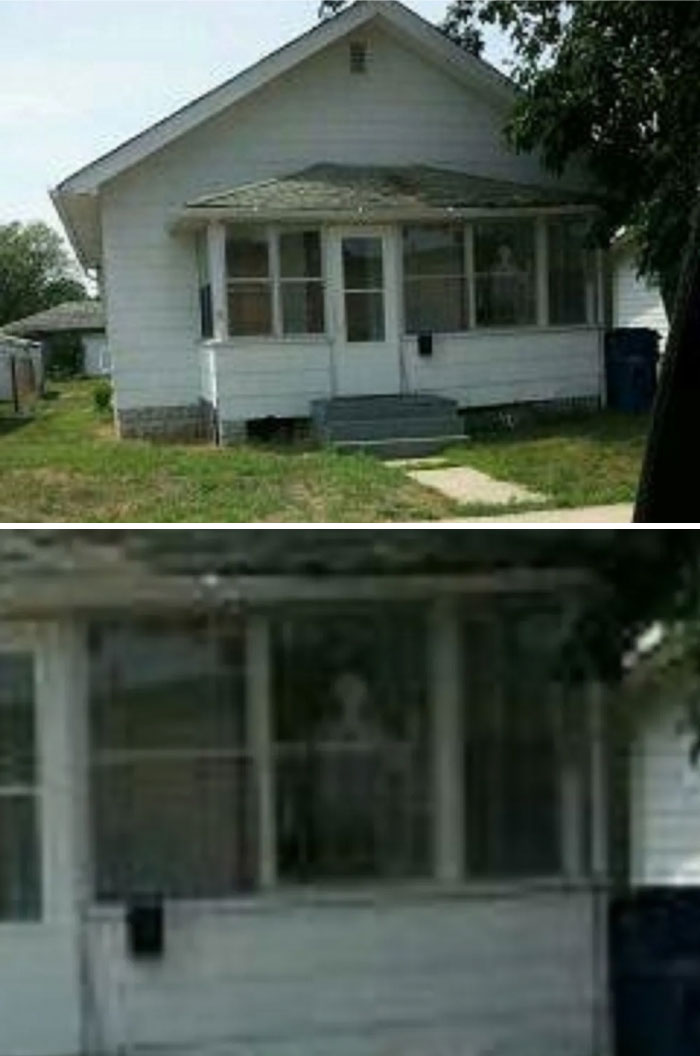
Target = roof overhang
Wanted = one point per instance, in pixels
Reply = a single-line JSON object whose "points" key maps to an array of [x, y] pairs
{"points": [[77, 198]]}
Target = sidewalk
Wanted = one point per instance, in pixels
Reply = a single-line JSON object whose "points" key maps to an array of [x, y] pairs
{"points": [[621, 514]]}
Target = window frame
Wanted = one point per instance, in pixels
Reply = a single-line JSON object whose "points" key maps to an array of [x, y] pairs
{"points": [[19, 644], [542, 316], [275, 282]]}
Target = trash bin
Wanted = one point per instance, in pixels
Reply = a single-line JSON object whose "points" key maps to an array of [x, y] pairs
{"points": [[654, 943], [631, 357]]}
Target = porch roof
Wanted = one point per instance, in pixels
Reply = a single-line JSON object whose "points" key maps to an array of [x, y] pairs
{"points": [[377, 193]]}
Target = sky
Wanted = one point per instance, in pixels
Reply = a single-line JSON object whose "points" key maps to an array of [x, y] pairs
{"points": [[77, 77]]}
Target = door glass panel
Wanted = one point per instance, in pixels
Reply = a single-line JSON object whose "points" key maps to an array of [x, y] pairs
{"points": [[363, 273], [363, 265], [365, 316]]}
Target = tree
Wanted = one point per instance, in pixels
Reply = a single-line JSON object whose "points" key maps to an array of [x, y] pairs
{"points": [[36, 271]]}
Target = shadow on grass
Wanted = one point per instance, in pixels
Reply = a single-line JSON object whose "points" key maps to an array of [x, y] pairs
{"points": [[11, 423]]}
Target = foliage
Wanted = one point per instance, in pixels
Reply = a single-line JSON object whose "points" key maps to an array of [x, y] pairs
{"points": [[36, 271], [102, 396]]}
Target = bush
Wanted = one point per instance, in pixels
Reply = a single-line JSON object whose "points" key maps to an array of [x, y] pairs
{"points": [[102, 396]]}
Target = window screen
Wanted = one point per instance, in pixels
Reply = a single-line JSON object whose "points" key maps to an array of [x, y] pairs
{"points": [[511, 750], [435, 293], [571, 283], [20, 868], [249, 283], [504, 263], [351, 743], [172, 785]]}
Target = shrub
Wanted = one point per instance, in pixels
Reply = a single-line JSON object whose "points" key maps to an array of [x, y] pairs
{"points": [[102, 396]]}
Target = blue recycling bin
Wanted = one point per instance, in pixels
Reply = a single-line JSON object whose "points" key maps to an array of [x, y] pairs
{"points": [[654, 944], [631, 358]]}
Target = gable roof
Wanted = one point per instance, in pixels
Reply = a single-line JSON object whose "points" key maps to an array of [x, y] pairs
{"points": [[84, 315], [75, 198], [376, 192], [393, 14]]}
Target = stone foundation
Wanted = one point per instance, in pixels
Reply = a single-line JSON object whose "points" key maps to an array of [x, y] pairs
{"points": [[187, 422]]}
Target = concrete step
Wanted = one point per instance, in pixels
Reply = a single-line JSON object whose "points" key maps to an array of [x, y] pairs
{"points": [[380, 429], [400, 446], [370, 408]]}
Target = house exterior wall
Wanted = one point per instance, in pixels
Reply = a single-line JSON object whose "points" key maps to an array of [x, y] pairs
{"points": [[459, 976], [635, 302], [40, 1000], [402, 111], [665, 803]]}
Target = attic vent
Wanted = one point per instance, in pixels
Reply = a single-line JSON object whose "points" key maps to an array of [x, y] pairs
{"points": [[358, 56]]}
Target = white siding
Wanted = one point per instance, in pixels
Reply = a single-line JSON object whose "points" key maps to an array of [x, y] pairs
{"points": [[635, 302], [281, 378], [482, 369], [404, 111], [665, 804], [33, 352], [453, 977]]}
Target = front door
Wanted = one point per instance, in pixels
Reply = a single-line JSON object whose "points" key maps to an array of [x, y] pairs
{"points": [[366, 345]]}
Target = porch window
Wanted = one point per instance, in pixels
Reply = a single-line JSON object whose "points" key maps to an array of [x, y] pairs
{"points": [[20, 885], [505, 273], [350, 746], [435, 291], [250, 285], [171, 772], [301, 282], [206, 317], [363, 277], [512, 764], [571, 273]]}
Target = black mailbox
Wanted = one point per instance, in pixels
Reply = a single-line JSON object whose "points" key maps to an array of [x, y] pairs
{"points": [[425, 344], [145, 926]]}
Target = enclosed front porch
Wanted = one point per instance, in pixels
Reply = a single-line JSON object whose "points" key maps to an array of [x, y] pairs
{"points": [[373, 814], [344, 282]]}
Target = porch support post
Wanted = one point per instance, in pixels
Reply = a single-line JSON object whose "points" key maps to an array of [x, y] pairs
{"points": [[572, 798], [216, 256], [259, 696], [542, 268], [62, 707], [445, 696], [599, 868]]}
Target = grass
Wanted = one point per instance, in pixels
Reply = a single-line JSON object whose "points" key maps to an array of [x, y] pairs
{"points": [[65, 464], [587, 460]]}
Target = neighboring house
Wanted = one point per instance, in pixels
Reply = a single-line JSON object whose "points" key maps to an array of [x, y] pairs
{"points": [[83, 319], [636, 301], [284, 240], [21, 369], [377, 821]]}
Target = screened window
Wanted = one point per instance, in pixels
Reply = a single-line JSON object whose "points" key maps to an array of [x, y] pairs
{"points": [[206, 318], [504, 273], [172, 789], [350, 746], [250, 286], [571, 282], [301, 282], [20, 884], [512, 763], [363, 273], [435, 290]]}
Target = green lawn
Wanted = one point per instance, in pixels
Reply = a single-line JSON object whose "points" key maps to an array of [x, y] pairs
{"points": [[586, 460], [67, 465]]}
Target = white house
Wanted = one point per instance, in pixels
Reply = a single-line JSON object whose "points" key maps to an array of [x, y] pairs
{"points": [[84, 320], [283, 241], [636, 301], [273, 794]]}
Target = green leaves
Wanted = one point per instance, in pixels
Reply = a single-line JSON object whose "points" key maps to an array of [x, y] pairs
{"points": [[35, 271]]}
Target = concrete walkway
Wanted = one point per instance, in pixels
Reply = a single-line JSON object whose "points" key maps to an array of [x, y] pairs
{"points": [[621, 514], [466, 485]]}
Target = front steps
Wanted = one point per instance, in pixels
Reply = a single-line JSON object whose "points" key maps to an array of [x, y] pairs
{"points": [[388, 426]]}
